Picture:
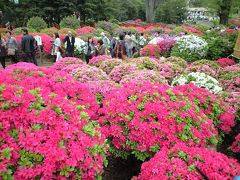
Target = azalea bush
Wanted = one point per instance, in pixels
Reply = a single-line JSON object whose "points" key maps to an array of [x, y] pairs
{"points": [[64, 62], [236, 144], [88, 73], [142, 118], [151, 50], [45, 129], [223, 62], [190, 48], [199, 79], [203, 68], [169, 70], [96, 60], [145, 63], [85, 30], [182, 162], [178, 61], [229, 78], [142, 76], [124, 69], [109, 64]]}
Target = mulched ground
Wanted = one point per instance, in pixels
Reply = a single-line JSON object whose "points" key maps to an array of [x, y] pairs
{"points": [[120, 169]]}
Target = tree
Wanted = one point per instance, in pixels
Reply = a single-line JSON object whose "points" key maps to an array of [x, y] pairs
{"points": [[151, 7], [172, 11]]}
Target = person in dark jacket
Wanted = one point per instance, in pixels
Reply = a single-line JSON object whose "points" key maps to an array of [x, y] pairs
{"points": [[120, 49], [2, 51], [70, 40], [28, 47]]}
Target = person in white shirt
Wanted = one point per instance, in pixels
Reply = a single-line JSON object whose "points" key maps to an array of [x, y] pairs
{"points": [[142, 40], [129, 44]]}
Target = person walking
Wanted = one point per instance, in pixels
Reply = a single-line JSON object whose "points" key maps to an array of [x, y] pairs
{"points": [[100, 49], [11, 44], [112, 45], [28, 47], [120, 49], [142, 40], [106, 42], [70, 42], [2, 52], [129, 44], [56, 45], [89, 49]]}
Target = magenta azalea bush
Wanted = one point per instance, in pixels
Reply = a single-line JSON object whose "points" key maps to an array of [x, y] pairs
{"points": [[224, 62], [182, 162], [88, 73], [45, 127], [119, 71], [236, 144], [109, 64], [142, 118], [142, 76], [64, 62], [21, 65], [96, 60]]}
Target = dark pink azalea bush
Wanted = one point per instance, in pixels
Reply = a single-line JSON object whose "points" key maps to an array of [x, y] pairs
{"points": [[64, 62], [223, 62], [85, 30], [45, 127], [142, 118], [236, 145], [182, 162]]}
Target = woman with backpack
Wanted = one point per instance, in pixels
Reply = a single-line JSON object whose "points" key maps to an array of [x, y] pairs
{"points": [[90, 50], [120, 49]]}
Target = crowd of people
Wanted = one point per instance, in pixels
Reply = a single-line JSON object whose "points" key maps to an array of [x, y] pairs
{"points": [[125, 45], [9, 47]]}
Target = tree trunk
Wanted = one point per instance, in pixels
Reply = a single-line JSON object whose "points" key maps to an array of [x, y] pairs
{"points": [[151, 7], [224, 11]]}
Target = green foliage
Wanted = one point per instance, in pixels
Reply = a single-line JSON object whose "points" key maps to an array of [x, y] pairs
{"points": [[178, 30], [202, 28], [19, 31], [28, 159], [70, 22], [36, 23], [49, 31], [219, 45], [172, 11]]}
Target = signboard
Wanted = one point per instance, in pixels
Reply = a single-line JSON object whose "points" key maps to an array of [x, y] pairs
{"points": [[236, 52]]}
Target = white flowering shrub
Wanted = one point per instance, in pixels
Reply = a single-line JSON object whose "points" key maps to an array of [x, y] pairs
{"points": [[190, 48], [199, 79]]}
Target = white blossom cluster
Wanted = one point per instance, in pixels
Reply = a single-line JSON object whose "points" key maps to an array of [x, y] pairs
{"points": [[193, 45], [199, 79]]}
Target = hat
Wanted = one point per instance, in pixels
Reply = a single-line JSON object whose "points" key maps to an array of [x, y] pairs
{"points": [[102, 34]]}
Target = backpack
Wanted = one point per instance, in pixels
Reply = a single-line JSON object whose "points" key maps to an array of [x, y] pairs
{"points": [[120, 51]]}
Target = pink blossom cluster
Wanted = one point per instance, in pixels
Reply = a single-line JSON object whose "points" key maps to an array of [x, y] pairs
{"points": [[223, 62], [45, 130], [169, 70], [96, 60], [142, 76], [119, 71], [236, 144], [193, 30], [64, 62], [182, 162], [233, 99], [103, 86], [85, 30], [230, 79], [109, 64], [21, 65], [202, 68], [166, 45], [151, 50], [141, 118], [88, 73]]}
